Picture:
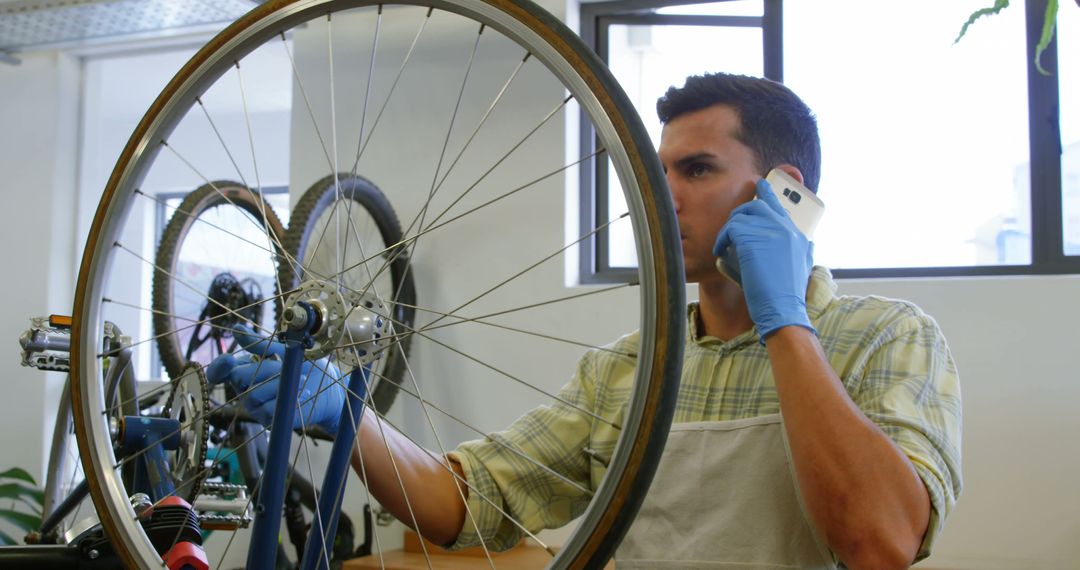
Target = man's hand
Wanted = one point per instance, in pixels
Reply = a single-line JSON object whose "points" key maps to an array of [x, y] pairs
{"points": [[256, 371], [775, 260]]}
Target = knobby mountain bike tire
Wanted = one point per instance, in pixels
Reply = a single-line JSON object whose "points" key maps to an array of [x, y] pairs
{"points": [[176, 322], [486, 223], [373, 220]]}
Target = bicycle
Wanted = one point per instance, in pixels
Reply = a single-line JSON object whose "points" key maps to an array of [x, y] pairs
{"points": [[210, 209], [529, 47]]}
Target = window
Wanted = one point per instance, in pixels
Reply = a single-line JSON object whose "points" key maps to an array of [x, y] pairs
{"points": [[201, 260], [928, 147], [649, 49]]}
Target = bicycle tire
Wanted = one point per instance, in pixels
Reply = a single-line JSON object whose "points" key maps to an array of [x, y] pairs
{"points": [[623, 139], [300, 241], [198, 203]]}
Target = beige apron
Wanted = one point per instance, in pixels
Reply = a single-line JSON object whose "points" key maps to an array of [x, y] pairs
{"points": [[724, 496]]}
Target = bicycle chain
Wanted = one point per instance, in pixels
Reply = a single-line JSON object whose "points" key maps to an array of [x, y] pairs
{"points": [[190, 393]]}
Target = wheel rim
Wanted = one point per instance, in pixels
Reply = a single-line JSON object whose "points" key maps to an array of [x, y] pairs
{"points": [[659, 288]]}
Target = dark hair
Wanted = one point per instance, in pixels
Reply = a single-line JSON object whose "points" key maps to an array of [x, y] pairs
{"points": [[773, 122]]}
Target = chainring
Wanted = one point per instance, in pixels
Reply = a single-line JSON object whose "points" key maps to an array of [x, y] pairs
{"points": [[189, 403]]}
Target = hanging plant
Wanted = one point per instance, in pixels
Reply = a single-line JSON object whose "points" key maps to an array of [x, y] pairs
{"points": [[19, 487], [1049, 21]]}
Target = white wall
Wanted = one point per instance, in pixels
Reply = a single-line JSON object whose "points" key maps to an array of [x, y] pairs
{"points": [[37, 158], [1012, 337], [1015, 345]]}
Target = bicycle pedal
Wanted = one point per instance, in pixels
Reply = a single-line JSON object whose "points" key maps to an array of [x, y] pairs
{"points": [[223, 506], [46, 345]]}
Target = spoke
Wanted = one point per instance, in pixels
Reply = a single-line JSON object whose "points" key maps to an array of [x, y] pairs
{"points": [[181, 282], [389, 96], [531, 267], [422, 216], [442, 449], [405, 241], [450, 128], [401, 485], [155, 390], [271, 238], [360, 456], [307, 102], [486, 435], [421, 230], [317, 517], [221, 139], [510, 152], [367, 90], [333, 137], [503, 312], [214, 186], [480, 320], [382, 418], [518, 380], [186, 327], [205, 415], [279, 253], [498, 97]]}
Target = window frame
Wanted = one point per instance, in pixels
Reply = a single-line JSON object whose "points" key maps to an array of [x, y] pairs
{"points": [[1048, 255]]}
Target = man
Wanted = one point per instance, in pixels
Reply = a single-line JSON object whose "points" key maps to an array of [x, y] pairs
{"points": [[810, 428]]}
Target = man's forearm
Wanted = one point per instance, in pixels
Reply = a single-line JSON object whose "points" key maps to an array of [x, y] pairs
{"points": [[861, 491], [415, 485]]}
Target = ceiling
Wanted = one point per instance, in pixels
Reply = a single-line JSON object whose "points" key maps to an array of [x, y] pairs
{"points": [[27, 25]]}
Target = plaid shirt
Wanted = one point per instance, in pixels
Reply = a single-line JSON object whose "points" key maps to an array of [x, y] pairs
{"points": [[891, 357]]}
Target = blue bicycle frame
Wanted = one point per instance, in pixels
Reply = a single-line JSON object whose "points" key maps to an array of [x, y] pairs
{"points": [[271, 496]]}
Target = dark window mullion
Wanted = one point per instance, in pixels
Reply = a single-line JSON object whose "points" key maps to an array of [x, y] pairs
{"points": [[1044, 140], [772, 37], [682, 20]]}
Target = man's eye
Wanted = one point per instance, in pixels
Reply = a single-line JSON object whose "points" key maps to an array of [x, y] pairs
{"points": [[696, 170]]}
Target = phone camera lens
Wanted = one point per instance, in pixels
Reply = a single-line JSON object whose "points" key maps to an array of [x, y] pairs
{"points": [[795, 197]]}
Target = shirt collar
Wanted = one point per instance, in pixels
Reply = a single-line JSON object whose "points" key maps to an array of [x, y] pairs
{"points": [[819, 294]]}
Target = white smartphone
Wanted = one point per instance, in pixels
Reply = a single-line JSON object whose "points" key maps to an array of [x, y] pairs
{"points": [[802, 205]]}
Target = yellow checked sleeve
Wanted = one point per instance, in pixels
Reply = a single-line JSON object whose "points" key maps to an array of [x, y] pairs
{"points": [[910, 388], [535, 471]]}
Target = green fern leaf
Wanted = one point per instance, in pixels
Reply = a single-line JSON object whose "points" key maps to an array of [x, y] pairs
{"points": [[19, 491], [21, 520], [998, 6], [20, 474], [1049, 20]]}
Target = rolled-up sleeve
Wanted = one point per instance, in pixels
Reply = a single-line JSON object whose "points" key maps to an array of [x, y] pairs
{"points": [[534, 474], [910, 388]]}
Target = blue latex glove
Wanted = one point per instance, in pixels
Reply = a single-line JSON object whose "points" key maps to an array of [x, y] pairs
{"points": [[774, 259], [321, 394]]}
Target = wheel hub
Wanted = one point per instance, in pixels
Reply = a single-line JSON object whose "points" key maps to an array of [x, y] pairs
{"points": [[355, 326]]}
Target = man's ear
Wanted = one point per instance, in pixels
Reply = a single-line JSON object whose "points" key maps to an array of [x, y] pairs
{"points": [[793, 172]]}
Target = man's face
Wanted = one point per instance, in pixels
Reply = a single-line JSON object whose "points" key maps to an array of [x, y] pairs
{"points": [[709, 173]]}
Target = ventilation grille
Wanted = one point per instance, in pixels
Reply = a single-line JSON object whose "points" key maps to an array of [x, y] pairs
{"points": [[30, 24]]}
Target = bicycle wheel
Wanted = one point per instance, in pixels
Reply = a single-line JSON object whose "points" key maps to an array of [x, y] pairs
{"points": [[221, 287], [320, 238], [458, 110]]}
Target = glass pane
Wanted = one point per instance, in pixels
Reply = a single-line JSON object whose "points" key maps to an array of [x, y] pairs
{"points": [[924, 143], [1068, 27], [731, 8], [647, 60]]}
